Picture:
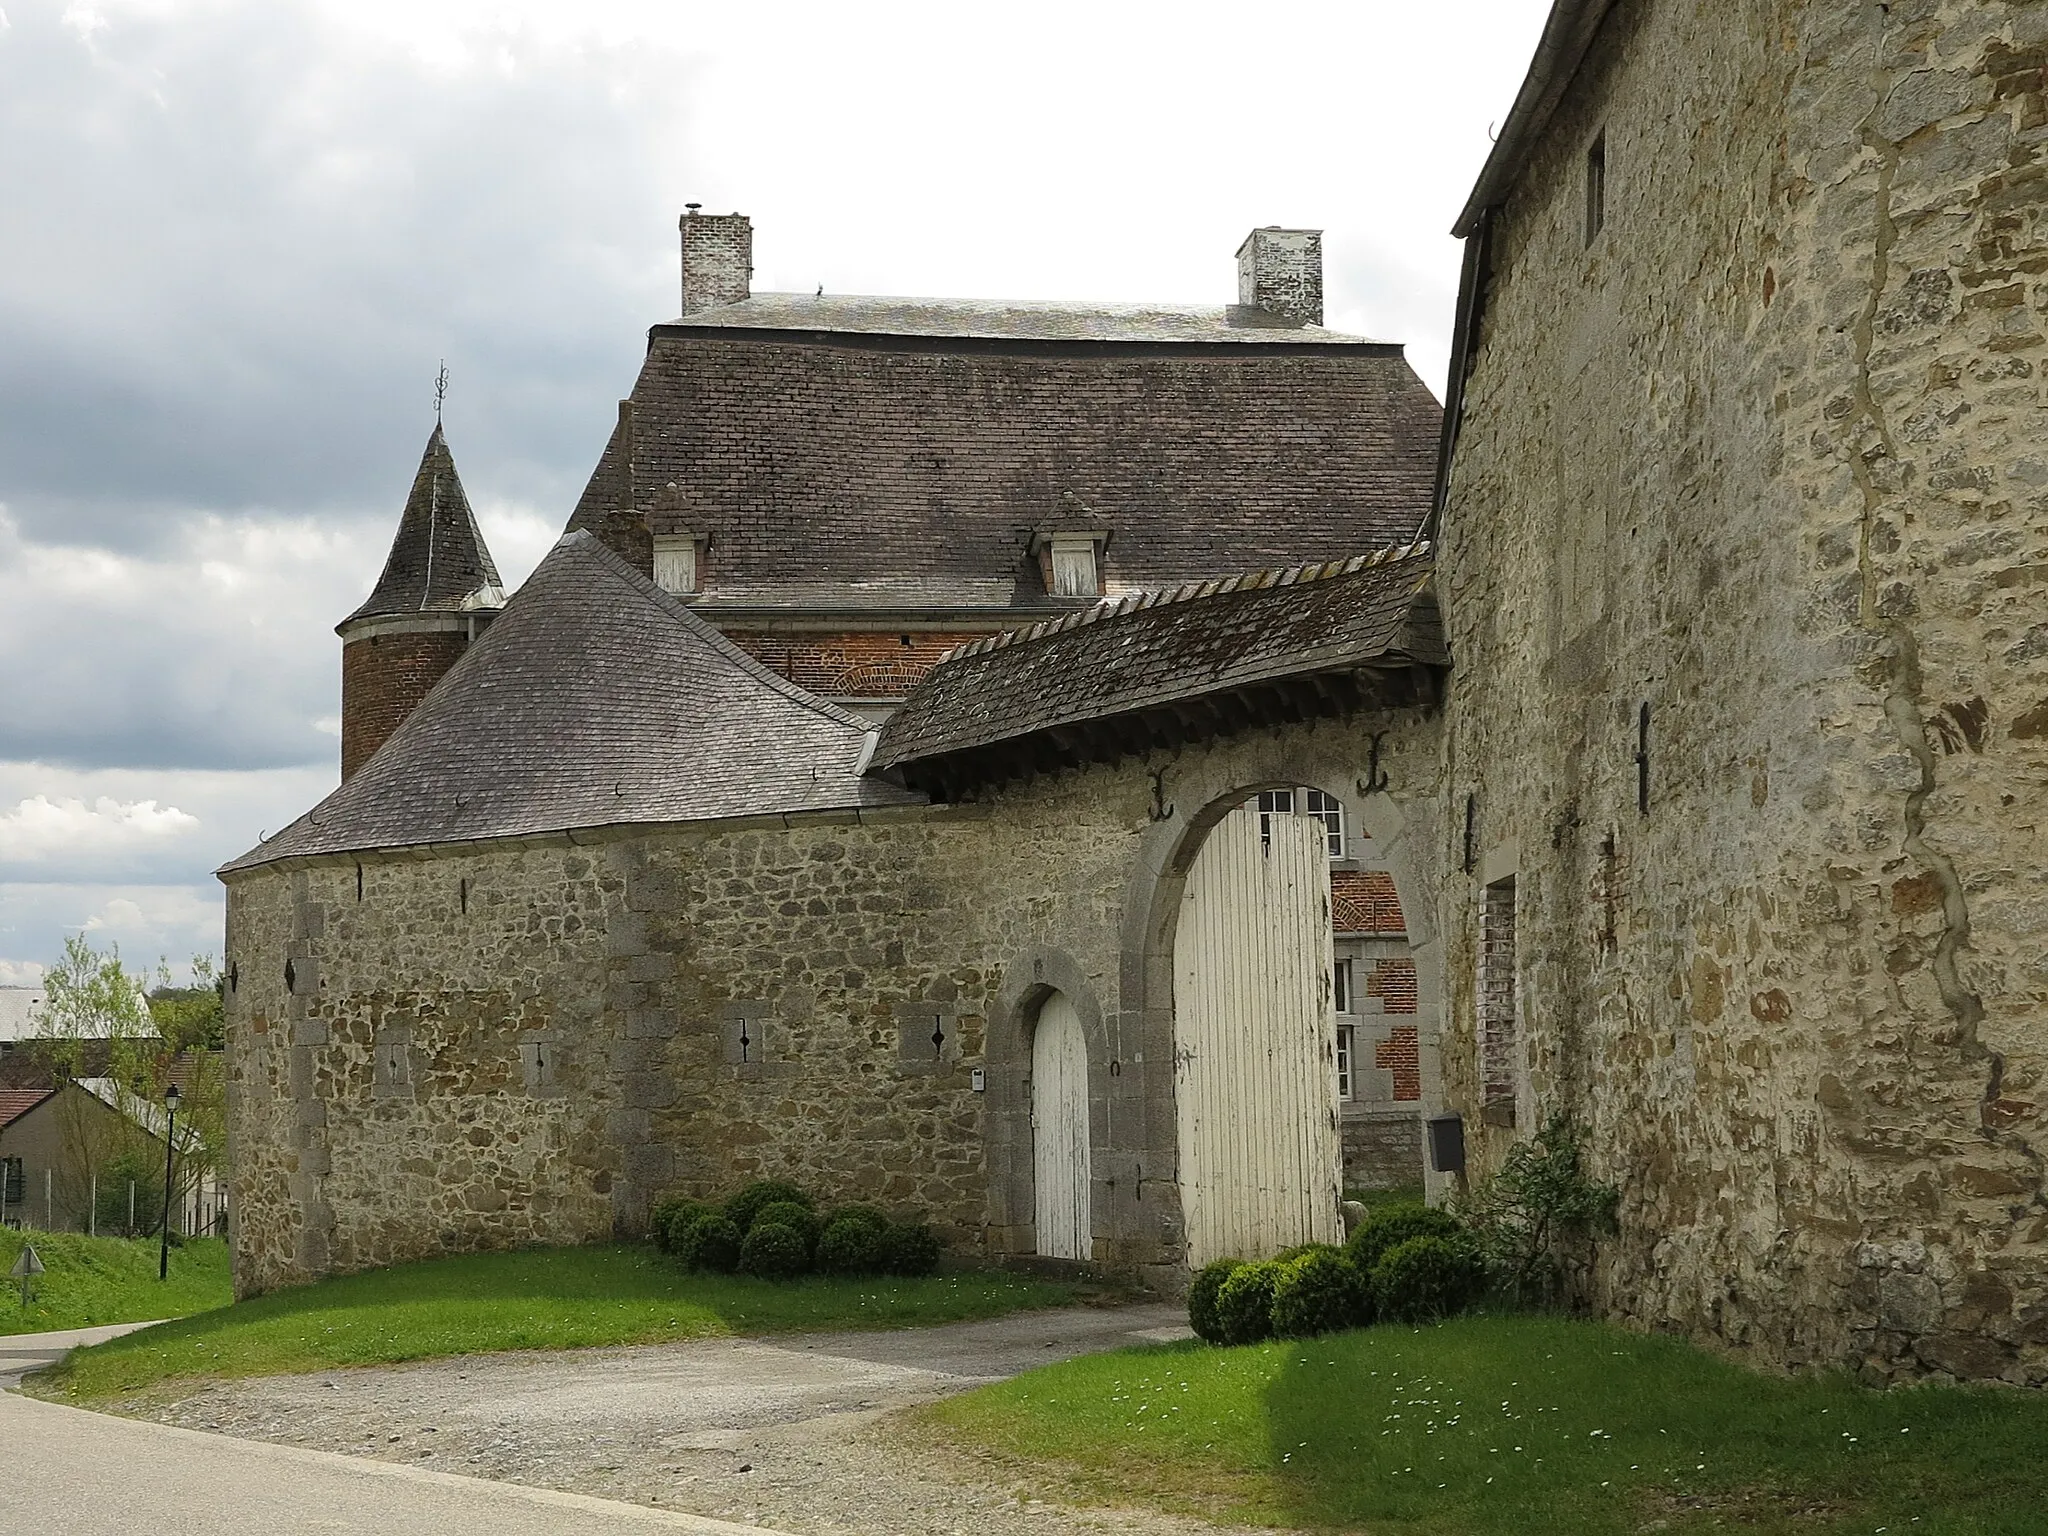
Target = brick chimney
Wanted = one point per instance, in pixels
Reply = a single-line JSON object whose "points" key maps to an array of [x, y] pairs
{"points": [[718, 258], [1281, 272]]}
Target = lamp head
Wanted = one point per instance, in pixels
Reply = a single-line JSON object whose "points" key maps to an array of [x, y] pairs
{"points": [[171, 1098]]}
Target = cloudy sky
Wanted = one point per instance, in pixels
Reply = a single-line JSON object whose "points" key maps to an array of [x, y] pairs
{"points": [[240, 235]]}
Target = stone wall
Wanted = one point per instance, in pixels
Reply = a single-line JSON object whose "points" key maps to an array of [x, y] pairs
{"points": [[527, 1041], [1779, 425], [1382, 1151]]}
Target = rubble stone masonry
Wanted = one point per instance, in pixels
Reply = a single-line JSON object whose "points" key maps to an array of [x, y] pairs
{"points": [[528, 1040], [1780, 426]]}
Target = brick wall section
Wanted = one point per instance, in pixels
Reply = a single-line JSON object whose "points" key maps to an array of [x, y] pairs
{"points": [[1392, 980], [1499, 1011], [1364, 901], [383, 679], [1401, 1054], [860, 664]]}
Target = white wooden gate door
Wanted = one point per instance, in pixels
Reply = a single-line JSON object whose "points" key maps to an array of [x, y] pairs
{"points": [[1059, 1130], [1255, 1071]]}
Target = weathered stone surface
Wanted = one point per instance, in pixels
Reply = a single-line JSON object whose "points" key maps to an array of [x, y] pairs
{"points": [[850, 939], [1777, 429]]}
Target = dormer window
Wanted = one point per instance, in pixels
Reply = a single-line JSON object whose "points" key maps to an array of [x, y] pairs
{"points": [[678, 562], [1072, 562]]}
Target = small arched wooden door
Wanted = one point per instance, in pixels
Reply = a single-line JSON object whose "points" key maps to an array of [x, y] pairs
{"points": [[1059, 1130]]}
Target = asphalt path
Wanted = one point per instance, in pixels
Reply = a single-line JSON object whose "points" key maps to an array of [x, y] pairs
{"points": [[69, 1472]]}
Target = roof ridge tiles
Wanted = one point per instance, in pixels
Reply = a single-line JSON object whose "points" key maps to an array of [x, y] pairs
{"points": [[1187, 591]]}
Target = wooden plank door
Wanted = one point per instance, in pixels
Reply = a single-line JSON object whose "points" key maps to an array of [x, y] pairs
{"points": [[1255, 1070], [1059, 1131]]}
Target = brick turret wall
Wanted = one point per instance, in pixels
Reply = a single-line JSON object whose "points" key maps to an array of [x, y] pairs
{"points": [[383, 679]]}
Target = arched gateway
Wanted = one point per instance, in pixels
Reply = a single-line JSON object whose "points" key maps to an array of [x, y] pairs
{"points": [[1255, 1077]]}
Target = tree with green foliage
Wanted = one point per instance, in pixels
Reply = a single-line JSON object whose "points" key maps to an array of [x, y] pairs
{"points": [[101, 1022], [1540, 1212]]}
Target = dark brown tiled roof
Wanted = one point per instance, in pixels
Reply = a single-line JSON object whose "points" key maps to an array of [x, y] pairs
{"points": [[438, 562], [910, 471], [16, 1102], [594, 700], [1174, 665]]}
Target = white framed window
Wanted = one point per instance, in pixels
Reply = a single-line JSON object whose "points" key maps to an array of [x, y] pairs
{"points": [[1326, 808], [1347, 1042], [1073, 566], [1329, 810], [1342, 998], [676, 566], [1273, 802]]}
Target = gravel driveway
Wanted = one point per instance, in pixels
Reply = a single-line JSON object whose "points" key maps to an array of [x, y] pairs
{"points": [[789, 1432]]}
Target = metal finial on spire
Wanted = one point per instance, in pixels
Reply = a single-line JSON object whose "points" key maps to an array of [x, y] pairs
{"points": [[440, 390]]}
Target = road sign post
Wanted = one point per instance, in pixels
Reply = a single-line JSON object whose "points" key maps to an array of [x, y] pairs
{"points": [[27, 1265]]}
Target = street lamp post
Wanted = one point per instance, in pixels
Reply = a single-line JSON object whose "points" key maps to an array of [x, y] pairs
{"points": [[163, 1257]]}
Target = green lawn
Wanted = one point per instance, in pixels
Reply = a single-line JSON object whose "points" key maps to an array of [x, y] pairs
{"points": [[1535, 1426], [547, 1298], [93, 1280]]}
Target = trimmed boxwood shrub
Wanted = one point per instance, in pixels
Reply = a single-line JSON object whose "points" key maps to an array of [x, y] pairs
{"points": [[1392, 1226], [913, 1249], [1244, 1304], [774, 1251], [873, 1216], [710, 1241], [1302, 1250], [669, 1216], [800, 1219], [1426, 1278], [743, 1207], [1202, 1297], [853, 1244], [1319, 1292]]}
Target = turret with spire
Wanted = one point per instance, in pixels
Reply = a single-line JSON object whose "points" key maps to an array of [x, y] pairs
{"points": [[438, 590]]}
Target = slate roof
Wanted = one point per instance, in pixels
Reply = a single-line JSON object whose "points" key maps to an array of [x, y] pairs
{"points": [[595, 699], [16, 1102], [905, 461], [438, 562], [1163, 657], [1015, 320]]}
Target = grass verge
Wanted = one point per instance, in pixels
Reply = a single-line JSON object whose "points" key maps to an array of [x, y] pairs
{"points": [[1535, 1426], [547, 1298], [94, 1280]]}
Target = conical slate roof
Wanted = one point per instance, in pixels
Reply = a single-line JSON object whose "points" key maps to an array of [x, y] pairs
{"points": [[595, 699], [438, 562]]}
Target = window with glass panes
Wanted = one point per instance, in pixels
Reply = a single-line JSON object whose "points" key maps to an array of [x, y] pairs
{"points": [[1326, 808]]}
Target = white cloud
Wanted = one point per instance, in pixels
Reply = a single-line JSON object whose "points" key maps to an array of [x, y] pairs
{"points": [[20, 973], [147, 923], [139, 826], [242, 234], [42, 828]]}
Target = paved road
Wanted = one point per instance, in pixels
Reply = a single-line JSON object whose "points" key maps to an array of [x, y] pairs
{"points": [[67, 1472], [24, 1352]]}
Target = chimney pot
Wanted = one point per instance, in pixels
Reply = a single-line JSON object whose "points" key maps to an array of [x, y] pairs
{"points": [[1281, 272], [718, 258]]}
